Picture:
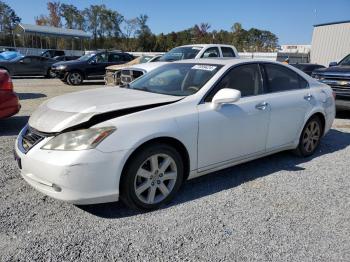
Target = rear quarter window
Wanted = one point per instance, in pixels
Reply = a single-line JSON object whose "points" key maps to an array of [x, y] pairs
{"points": [[227, 52]]}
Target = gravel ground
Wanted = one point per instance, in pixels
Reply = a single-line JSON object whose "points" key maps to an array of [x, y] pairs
{"points": [[279, 208]]}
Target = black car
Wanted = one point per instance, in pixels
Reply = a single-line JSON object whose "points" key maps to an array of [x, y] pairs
{"points": [[28, 66], [307, 68], [89, 66], [51, 53], [337, 76]]}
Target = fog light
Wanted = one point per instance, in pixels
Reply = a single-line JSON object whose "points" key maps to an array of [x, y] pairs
{"points": [[56, 188]]}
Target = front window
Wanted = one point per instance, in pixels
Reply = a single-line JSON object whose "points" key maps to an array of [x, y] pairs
{"points": [[345, 61], [180, 53], [176, 79]]}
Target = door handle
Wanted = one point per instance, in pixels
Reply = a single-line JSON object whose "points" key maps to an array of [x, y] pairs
{"points": [[261, 106], [308, 97]]}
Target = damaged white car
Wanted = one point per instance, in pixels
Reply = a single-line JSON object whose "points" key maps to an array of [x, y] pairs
{"points": [[180, 121]]}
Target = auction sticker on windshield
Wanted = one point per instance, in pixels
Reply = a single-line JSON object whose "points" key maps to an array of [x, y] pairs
{"points": [[204, 67]]}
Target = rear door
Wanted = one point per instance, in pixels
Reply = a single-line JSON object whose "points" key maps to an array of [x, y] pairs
{"points": [[290, 100], [23, 66]]}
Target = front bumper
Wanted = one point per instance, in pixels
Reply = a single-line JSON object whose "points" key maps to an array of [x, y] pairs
{"points": [[112, 78], [342, 103], [78, 177], [61, 74]]}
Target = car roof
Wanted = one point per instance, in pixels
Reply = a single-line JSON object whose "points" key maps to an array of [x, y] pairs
{"points": [[225, 61], [206, 45]]}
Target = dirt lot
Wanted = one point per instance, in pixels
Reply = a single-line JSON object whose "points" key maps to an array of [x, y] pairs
{"points": [[279, 208]]}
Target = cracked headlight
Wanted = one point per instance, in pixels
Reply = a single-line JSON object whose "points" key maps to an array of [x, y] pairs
{"points": [[79, 140]]}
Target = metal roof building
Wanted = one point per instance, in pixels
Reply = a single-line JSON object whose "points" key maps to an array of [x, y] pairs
{"points": [[52, 31], [48, 36], [330, 42]]}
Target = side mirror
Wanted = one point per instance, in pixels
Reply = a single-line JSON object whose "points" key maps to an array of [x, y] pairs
{"points": [[333, 64], [92, 62], [21, 61], [224, 96]]}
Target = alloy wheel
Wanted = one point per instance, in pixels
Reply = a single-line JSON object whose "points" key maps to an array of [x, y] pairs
{"points": [[155, 178], [75, 78], [311, 136]]}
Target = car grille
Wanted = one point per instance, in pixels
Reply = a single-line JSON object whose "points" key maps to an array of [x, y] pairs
{"points": [[340, 84], [29, 138], [128, 76]]}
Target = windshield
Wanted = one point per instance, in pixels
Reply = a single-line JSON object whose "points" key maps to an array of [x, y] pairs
{"points": [[176, 79], [180, 53], [86, 57], [345, 61]]}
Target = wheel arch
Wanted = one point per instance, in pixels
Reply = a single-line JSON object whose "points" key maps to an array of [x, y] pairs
{"points": [[78, 71], [4, 68], [322, 117], [178, 145]]}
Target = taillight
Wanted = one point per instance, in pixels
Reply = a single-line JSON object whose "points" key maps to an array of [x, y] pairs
{"points": [[334, 94], [5, 81]]}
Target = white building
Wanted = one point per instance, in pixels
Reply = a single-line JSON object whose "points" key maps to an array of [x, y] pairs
{"points": [[330, 42], [305, 49]]}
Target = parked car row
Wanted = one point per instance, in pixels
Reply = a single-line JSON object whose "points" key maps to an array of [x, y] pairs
{"points": [[124, 74]]}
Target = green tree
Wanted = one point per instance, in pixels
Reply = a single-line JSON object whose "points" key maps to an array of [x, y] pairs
{"points": [[54, 13], [73, 16], [146, 40], [8, 22]]}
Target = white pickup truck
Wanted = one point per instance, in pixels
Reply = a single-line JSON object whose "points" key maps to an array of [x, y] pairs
{"points": [[199, 51]]}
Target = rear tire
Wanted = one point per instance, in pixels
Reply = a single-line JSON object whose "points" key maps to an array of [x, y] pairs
{"points": [[75, 78], [310, 137], [152, 177]]}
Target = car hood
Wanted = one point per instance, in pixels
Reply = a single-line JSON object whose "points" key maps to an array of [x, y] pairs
{"points": [[117, 67], [333, 69], [66, 111]]}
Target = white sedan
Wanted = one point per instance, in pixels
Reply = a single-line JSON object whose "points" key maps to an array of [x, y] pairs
{"points": [[180, 121]]}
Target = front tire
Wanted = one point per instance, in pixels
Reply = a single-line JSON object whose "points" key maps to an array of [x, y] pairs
{"points": [[50, 74], [152, 177], [75, 78], [310, 137]]}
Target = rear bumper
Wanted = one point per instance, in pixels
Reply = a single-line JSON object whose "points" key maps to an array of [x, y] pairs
{"points": [[9, 105]]}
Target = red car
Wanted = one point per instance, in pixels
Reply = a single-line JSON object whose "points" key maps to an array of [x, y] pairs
{"points": [[9, 103]]}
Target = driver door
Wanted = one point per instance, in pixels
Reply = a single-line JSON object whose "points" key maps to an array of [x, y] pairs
{"points": [[235, 130], [97, 65]]}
